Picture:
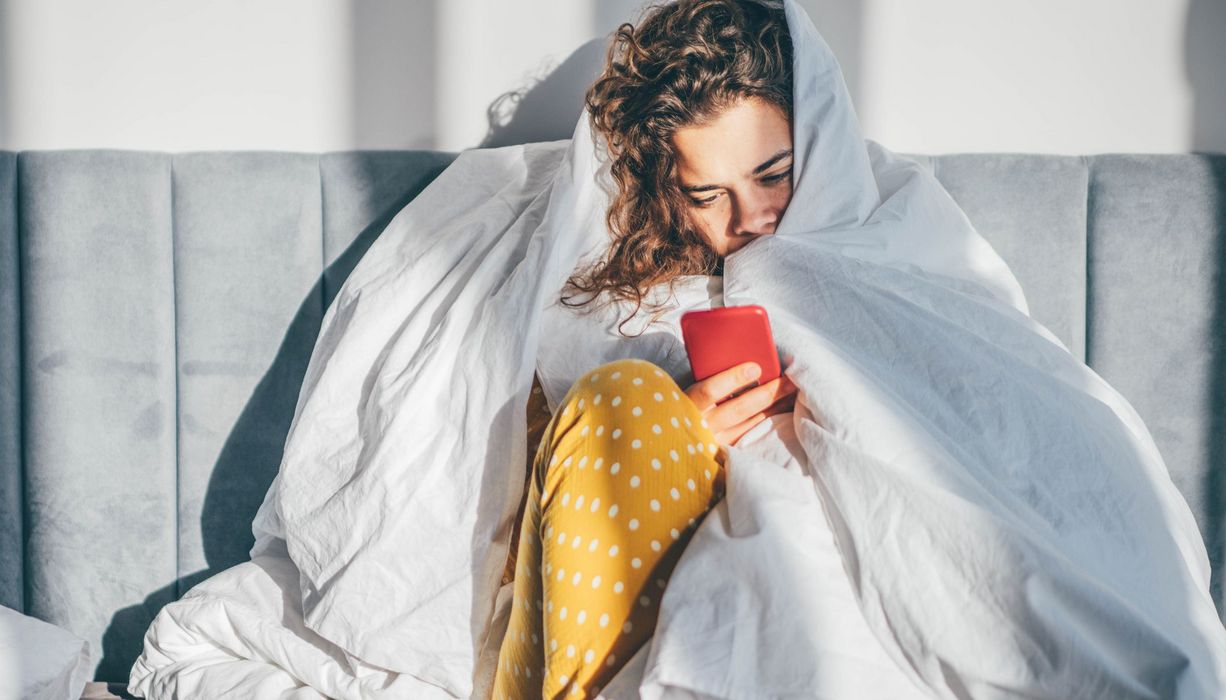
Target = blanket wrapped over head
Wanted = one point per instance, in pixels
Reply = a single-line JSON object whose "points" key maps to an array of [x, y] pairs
{"points": [[1000, 514]]}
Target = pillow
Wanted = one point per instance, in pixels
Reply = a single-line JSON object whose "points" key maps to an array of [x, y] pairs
{"points": [[39, 661]]}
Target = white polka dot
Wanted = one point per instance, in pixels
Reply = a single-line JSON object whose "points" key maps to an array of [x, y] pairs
{"points": [[596, 582], [561, 574], [570, 650], [618, 587], [579, 502], [595, 377], [634, 523], [563, 678], [599, 431], [613, 551], [575, 542], [673, 454], [675, 494], [566, 462], [562, 613], [596, 399], [604, 620], [599, 460], [527, 672], [523, 637], [637, 381], [549, 608], [549, 568], [655, 505], [699, 446], [655, 428], [576, 578], [586, 429], [676, 423], [617, 432], [634, 481], [691, 521], [615, 468], [535, 638], [674, 533], [707, 473], [553, 645], [676, 396], [655, 463], [660, 583], [591, 546], [587, 658], [690, 448], [636, 563], [580, 403], [582, 617], [690, 484], [566, 498], [655, 545], [612, 510], [704, 423], [713, 447], [549, 531], [595, 505], [658, 396], [644, 601], [658, 373], [553, 461], [688, 424], [617, 375], [636, 443], [611, 660], [582, 462], [617, 400], [627, 627], [636, 411]]}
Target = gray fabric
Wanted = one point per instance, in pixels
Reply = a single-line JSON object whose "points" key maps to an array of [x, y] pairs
{"points": [[1156, 308], [160, 310], [12, 555], [98, 370]]}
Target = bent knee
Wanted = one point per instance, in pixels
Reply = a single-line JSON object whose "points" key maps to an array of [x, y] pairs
{"points": [[607, 386]]}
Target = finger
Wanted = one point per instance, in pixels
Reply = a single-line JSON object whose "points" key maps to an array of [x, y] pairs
{"points": [[718, 386], [738, 431], [740, 408]]}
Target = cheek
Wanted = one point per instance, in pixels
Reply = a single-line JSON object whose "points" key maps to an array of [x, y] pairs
{"points": [[782, 199]]}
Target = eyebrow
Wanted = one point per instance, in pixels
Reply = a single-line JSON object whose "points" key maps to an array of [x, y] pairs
{"points": [[756, 171]]}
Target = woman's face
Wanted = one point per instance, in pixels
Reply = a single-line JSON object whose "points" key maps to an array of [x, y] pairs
{"points": [[737, 173]]}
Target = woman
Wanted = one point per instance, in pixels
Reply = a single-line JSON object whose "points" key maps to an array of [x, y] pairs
{"points": [[696, 106]]}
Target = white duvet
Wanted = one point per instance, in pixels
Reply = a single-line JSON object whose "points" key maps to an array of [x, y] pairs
{"points": [[957, 507]]}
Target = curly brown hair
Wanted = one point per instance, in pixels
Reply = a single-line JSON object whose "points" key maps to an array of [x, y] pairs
{"points": [[685, 63]]}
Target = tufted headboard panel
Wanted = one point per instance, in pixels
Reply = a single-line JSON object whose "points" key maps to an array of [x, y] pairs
{"points": [[157, 312]]}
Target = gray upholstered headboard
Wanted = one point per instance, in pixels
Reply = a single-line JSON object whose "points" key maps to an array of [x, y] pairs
{"points": [[157, 312]]}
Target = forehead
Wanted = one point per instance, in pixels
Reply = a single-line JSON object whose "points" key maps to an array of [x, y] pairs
{"points": [[733, 144]]}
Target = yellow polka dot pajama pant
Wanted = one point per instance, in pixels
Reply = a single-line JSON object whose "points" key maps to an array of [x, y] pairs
{"points": [[624, 473]]}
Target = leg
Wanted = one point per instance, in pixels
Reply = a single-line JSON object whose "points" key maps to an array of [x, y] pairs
{"points": [[623, 475]]}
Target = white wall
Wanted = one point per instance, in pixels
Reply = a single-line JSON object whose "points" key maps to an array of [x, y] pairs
{"points": [[312, 75]]}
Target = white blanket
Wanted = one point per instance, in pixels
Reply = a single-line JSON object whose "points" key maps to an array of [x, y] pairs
{"points": [[1000, 515]]}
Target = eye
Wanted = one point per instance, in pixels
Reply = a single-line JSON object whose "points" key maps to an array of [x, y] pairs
{"points": [[704, 202], [779, 177]]}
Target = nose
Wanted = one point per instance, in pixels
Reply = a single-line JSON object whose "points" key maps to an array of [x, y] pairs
{"points": [[756, 214]]}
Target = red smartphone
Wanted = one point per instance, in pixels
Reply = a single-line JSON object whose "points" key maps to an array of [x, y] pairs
{"points": [[726, 336]]}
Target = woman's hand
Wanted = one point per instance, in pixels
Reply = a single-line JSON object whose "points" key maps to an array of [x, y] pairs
{"points": [[730, 418]]}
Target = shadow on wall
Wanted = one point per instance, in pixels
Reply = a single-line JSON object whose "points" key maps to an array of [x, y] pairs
{"points": [[1205, 60], [394, 83], [5, 62]]}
